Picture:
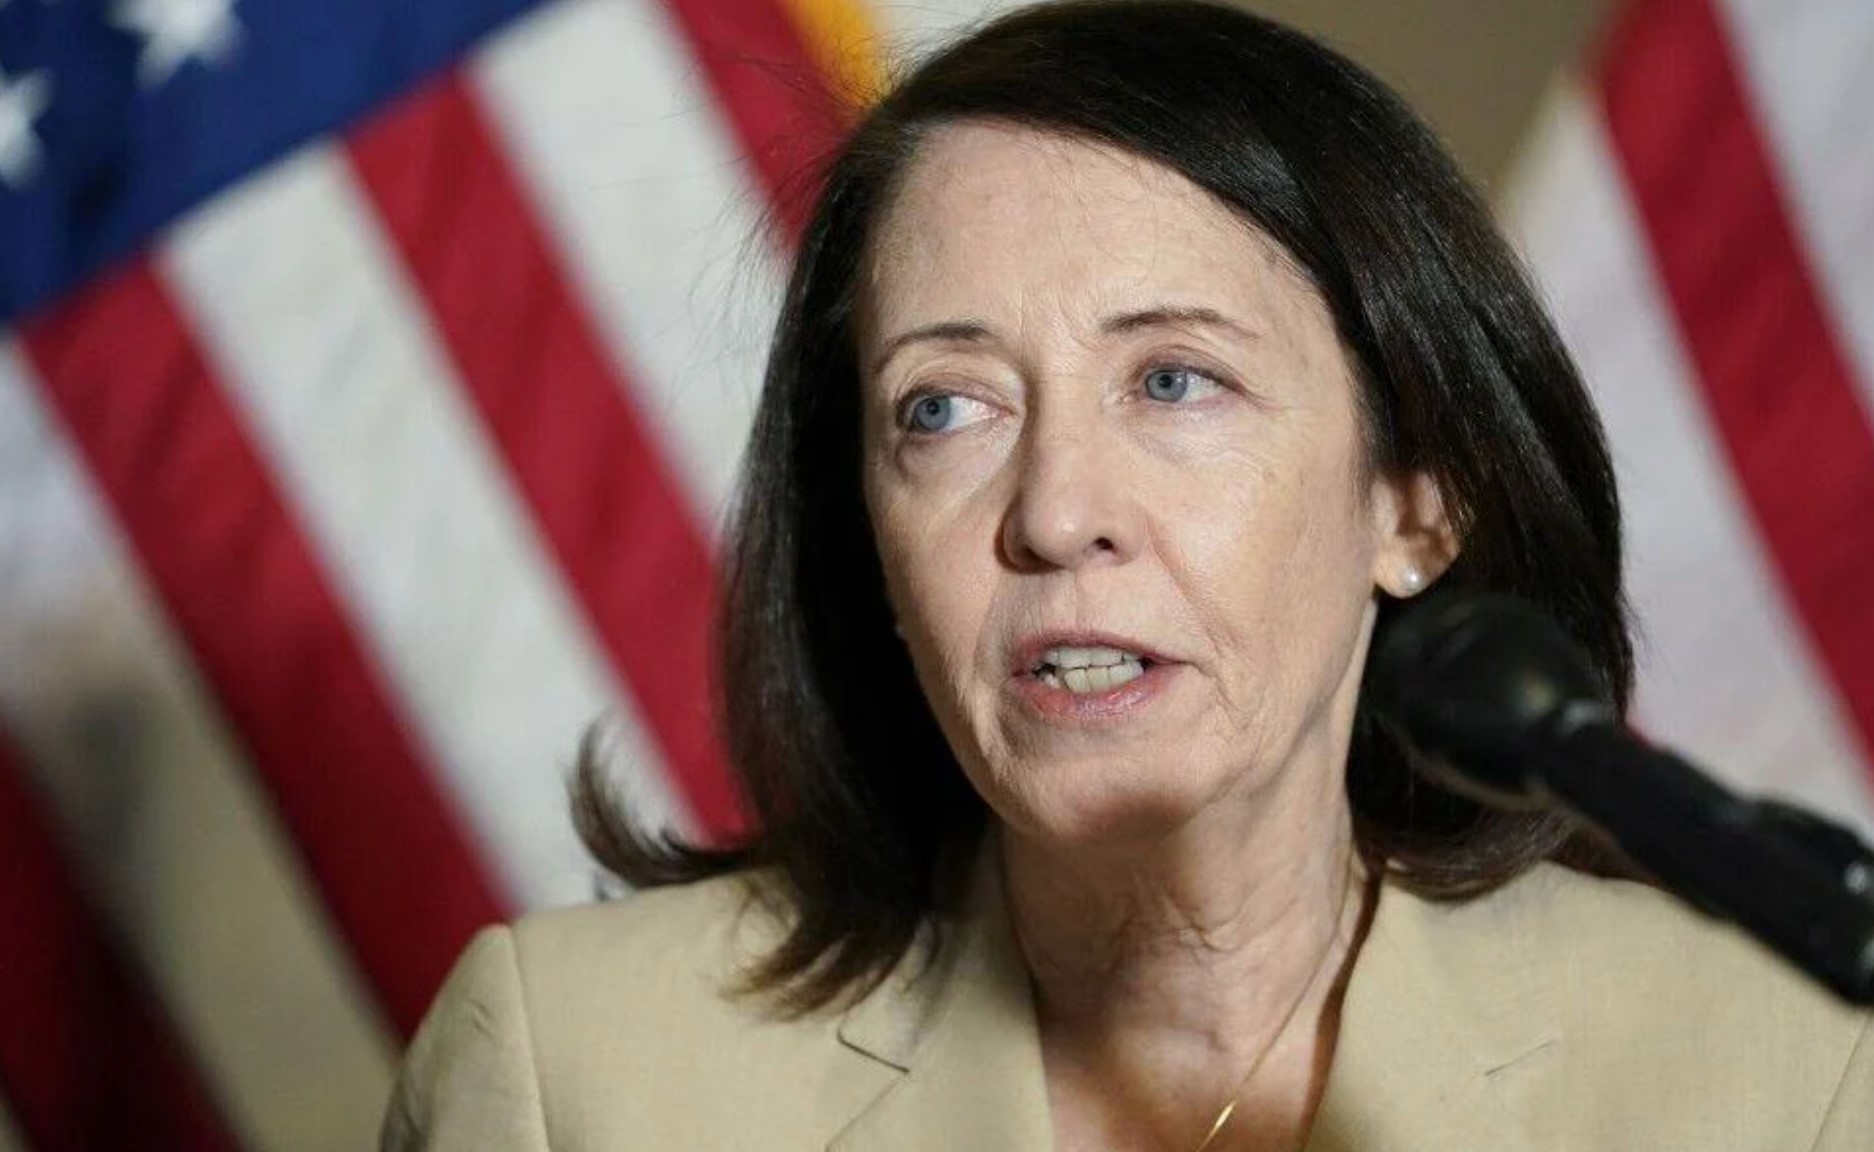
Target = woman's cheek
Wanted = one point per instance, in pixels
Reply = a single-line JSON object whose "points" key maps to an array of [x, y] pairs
{"points": [[943, 503], [932, 560], [944, 468]]}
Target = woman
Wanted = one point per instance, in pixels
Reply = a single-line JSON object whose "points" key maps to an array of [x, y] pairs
{"points": [[1138, 360]]}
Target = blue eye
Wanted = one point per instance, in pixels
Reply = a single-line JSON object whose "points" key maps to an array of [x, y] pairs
{"points": [[931, 413], [1170, 385], [942, 413]]}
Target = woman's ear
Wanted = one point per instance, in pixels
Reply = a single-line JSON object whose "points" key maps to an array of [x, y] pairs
{"points": [[1417, 541]]}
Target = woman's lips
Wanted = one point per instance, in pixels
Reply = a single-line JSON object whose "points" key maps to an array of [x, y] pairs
{"points": [[1033, 650], [1056, 702]]}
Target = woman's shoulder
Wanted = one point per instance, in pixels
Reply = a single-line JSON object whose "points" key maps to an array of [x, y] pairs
{"points": [[667, 964], [1620, 997], [710, 929], [1623, 948], [1636, 933], [619, 1020]]}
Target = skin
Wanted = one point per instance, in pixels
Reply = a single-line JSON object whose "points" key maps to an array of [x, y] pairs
{"points": [[1145, 427]]}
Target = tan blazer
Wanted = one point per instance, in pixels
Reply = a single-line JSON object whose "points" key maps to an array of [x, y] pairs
{"points": [[1558, 1013]]}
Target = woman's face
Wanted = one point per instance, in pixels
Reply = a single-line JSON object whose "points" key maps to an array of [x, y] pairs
{"points": [[1114, 463]]}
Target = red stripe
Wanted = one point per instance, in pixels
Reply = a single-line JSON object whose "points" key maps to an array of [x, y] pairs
{"points": [[88, 1060], [221, 547], [1775, 378], [561, 413], [773, 91]]}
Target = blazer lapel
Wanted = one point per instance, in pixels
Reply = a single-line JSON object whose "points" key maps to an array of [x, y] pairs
{"points": [[963, 1033], [1429, 1021]]}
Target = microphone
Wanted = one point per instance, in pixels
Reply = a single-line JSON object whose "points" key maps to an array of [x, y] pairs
{"points": [[1504, 707]]}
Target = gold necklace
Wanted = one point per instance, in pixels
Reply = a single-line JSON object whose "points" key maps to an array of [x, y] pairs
{"points": [[1229, 1108], [1216, 1126]]}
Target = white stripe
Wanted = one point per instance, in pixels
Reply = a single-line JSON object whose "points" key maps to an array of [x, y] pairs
{"points": [[1809, 67], [146, 786], [918, 28], [660, 228], [1725, 674], [301, 302]]}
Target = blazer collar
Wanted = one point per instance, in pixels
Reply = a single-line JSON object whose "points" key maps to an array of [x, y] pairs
{"points": [[962, 1031], [1433, 1013]]}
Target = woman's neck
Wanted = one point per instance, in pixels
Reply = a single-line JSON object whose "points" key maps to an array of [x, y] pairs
{"points": [[1164, 972]]}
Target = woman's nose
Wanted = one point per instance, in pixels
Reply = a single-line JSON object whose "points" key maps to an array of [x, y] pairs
{"points": [[1072, 506]]}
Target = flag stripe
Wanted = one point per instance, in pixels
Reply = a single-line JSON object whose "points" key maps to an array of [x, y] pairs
{"points": [[767, 81], [226, 556], [913, 31], [1772, 374], [651, 213], [87, 1056], [408, 504], [560, 413], [1807, 67], [164, 818], [1725, 674]]}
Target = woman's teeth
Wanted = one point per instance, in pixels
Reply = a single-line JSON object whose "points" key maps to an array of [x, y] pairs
{"points": [[1083, 670]]}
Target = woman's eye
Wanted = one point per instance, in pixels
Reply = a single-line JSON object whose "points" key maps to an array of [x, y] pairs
{"points": [[1175, 385], [939, 412], [932, 413]]}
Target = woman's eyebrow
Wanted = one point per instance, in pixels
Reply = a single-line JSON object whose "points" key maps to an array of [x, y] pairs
{"points": [[944, 331], [1176, 316], [975, 331]]}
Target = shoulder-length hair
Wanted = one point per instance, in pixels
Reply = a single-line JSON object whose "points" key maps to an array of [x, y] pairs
{"points": [[853, 792]]}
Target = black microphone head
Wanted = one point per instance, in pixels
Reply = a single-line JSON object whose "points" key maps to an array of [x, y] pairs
{"points": [[1469, 679]]}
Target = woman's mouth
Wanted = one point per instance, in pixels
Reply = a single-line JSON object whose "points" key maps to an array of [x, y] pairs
{"points": [[1085, 671], [1088, 681]]}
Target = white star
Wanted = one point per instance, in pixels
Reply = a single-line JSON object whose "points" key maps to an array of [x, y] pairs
{"points": [[175, 31], [22, 101]]}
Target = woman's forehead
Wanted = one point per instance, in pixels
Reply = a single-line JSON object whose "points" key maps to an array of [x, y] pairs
{"points": [[1008, 219]]}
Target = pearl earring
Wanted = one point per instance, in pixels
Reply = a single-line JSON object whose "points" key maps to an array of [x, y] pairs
{"points": [[1413, 579]]}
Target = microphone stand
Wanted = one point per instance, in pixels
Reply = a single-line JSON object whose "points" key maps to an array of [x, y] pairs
{"points": [[1504, 708], [1801, 884]]}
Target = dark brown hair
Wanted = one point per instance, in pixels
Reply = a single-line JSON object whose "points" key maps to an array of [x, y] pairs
{"points": [[854, 794]]}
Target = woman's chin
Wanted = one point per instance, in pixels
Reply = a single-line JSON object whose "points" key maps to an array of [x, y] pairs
{"points": [[1087, 812]]}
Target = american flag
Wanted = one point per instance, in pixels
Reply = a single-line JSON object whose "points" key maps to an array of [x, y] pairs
{"points": [[1698, 203], [371, 381]]}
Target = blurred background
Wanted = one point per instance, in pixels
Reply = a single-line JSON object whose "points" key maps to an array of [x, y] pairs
{"points": [[371, 381]]}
